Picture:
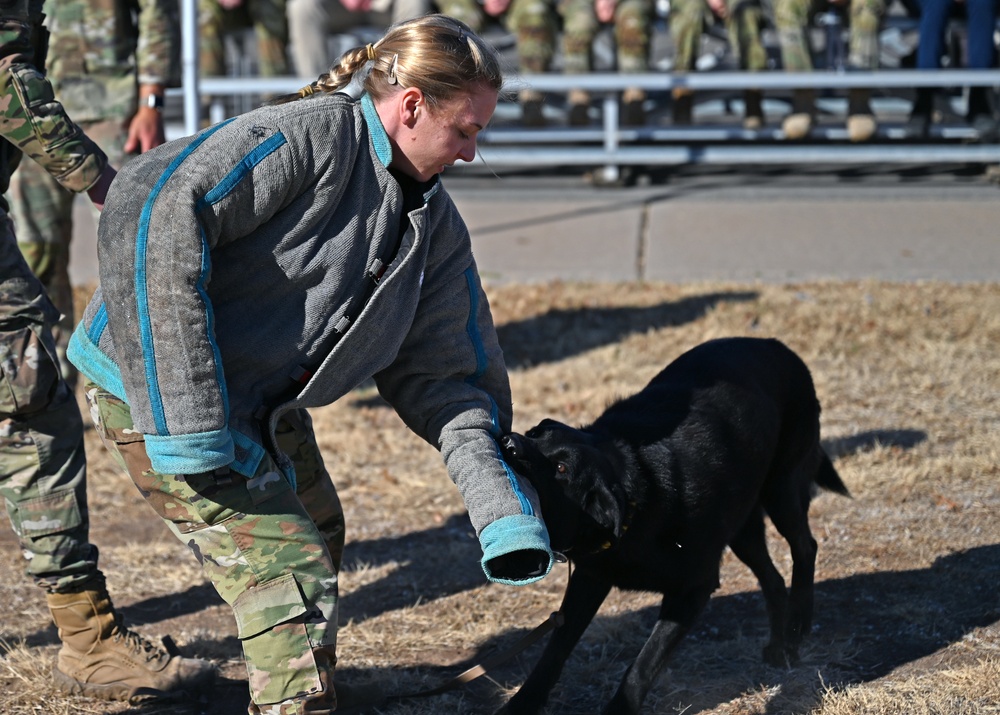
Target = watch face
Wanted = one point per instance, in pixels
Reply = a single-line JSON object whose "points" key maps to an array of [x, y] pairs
{"points": [[154, 101]]}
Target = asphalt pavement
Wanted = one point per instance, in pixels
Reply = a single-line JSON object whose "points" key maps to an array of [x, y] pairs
{"points": [[688, 225]]}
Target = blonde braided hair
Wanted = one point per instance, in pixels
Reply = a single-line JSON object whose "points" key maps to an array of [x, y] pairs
{"points": [[438, 54]]}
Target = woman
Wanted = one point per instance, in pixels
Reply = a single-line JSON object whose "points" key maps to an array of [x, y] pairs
{"points": [[271, 264]]}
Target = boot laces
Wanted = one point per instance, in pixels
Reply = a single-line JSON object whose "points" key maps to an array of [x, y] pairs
{"points": [[137, 643]]}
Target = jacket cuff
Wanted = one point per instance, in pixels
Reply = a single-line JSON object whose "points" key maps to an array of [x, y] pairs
{"points": [[190, 453], [516, 533]]}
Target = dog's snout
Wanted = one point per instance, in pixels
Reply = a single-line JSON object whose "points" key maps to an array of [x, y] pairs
{"points": [[509, 443]]}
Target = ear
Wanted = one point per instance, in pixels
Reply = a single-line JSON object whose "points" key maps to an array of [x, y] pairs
{"points": [[411, 103], [603, 506]]}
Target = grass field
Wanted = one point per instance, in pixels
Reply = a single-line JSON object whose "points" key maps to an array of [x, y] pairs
{"points": [[908, 576]]}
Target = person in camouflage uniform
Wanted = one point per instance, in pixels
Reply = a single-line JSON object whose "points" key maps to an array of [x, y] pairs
{"points": [[535, 25], [743, 24], [633, 25], [270, 264], [792, 20], [269, 21], [109, 62], [42, 464]]}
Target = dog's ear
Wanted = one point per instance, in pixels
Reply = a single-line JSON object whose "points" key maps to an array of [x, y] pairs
{"points": [[604, 506]]}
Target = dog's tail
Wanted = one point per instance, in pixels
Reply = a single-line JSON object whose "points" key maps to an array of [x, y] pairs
{"points": [[827, 477]]}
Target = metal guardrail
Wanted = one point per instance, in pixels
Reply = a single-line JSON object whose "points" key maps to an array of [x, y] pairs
{"points": [[612, 146]]}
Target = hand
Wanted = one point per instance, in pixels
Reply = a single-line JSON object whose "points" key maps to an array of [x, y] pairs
{"points": [[495, 8], [145, 131], [718, 8], [99, 191], [605, 10], [357, 5], [230, 4]]}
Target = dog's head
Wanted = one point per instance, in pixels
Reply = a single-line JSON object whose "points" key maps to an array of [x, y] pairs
{"points": [[578, 484]]}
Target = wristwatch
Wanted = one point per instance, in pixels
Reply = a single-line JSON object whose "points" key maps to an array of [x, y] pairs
{"points": [[155, 101]]}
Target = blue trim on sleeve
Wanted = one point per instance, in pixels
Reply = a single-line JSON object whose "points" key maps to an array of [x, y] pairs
{"points": [[95, 365], [380, 140], [190, 453], [141, 293], [476, 338], [99, 324], [243, 169], [514, 533]]}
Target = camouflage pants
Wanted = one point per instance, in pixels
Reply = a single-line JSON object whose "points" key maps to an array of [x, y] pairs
{"points": [[273, 553], [270, 25], [791, 20], [43, 219], [533, 22], [633, 28], [42, 462], [687, 23]]}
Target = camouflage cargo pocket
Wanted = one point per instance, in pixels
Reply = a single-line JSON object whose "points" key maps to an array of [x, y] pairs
{"points": [[49, 514], [275, 641], [28, 372]]}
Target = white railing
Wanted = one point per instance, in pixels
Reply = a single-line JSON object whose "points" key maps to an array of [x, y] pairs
{"points": [[612, 146]]}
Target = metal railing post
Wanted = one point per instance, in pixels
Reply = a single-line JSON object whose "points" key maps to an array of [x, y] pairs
{"points": [[189, 66]]}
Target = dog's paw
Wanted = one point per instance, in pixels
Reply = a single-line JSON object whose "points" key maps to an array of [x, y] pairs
{"points": [[781, 655]]}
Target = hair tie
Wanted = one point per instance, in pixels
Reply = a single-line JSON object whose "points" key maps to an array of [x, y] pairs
{"points": [[307, 90], [392, 69], [370, 50]]}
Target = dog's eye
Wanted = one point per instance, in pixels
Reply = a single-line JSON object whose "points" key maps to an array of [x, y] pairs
{"points": [[562, 468]]}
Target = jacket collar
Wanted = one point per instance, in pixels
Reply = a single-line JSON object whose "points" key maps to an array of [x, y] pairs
{"points": [[380, 140]]}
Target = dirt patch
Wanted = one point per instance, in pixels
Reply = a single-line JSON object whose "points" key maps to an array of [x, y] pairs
{"points": [[907, 605]]}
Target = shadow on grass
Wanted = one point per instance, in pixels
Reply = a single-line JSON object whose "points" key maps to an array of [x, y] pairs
{"points": [[883, 620], [559, 334]]}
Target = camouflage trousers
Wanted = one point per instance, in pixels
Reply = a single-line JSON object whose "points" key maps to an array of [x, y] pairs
{"points": [[271, 551], [633, 28], [43, 221], [792, 19], [533, 22], [687, 23], [42, 462], [269, 21]]}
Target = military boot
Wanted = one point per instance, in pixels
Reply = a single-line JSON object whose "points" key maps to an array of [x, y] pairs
{"points": [[753, 109], [100, 658], [861, 124], [798, 124]]}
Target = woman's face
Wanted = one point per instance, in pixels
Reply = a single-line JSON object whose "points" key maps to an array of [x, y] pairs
{"points": [[432, 138]]}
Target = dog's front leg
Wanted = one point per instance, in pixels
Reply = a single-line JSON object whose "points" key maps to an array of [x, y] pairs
{"points": [[584, 595], [675, 620]]}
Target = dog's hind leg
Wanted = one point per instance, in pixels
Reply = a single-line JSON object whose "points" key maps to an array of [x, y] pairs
{"points": [[789, 513], [750, 547], [677, 615], [584, 595]]}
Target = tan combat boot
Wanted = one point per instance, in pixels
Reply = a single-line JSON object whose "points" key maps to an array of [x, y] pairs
{"points": [[861, 123], [798, 124], [633, 107], [100, 658]]}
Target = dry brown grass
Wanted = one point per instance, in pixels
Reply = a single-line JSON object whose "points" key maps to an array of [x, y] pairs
{"points": [[907, 599]]}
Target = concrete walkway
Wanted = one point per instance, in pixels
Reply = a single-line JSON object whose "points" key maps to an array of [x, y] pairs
{"points": [[724, 225]]}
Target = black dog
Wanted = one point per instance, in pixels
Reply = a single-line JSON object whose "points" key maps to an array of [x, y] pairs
{"points": [[649, 495]]}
